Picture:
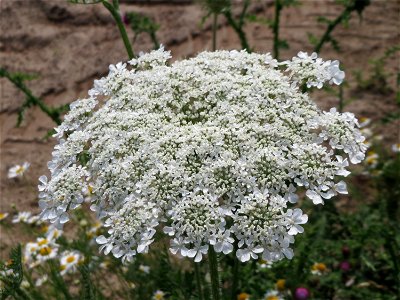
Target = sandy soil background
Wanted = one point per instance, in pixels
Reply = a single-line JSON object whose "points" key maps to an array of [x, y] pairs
{"points": [[68, 46]]}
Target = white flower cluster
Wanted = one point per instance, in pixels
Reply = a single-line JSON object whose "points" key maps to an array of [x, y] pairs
{"points": [[313, 71], [210, 150]]}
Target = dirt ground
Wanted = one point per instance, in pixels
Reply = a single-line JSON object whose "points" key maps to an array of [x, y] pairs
{"points": [[68, 46]]}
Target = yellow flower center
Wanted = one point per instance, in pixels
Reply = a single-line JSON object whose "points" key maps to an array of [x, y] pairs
{"points": [[243, 296], [43, 242], [272, 298], [2, 215], [280, 284], [319, 267], [159, 296], [20, 170], [45, 251], [70, 259]]}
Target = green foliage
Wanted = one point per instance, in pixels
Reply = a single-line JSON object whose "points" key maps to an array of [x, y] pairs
{"points": [[164, 275], [224, 7], [143, 24], [57, 281], [349, 6], [18, 79], [13, 278], [88, 290], [216, 6], [378, 80], [238, 23]]}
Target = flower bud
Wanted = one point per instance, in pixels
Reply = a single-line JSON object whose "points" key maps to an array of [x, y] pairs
{"points": [[301, 293]]}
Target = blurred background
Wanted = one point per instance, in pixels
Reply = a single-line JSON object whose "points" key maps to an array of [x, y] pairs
{"points": [[66, 46]]}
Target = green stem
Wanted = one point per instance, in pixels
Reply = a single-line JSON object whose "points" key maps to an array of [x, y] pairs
{"points": [[275, 28], [198, 281], [238, 26], [155, 40], [23, 294], [114, 10], [391, 245], [358, 6], [59, 284], [235, 279], [213, 265], [52, 113], [327, 35], [214, 31]]}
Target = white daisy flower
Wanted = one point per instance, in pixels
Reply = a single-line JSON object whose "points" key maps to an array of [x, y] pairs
{"points": [[3, 216], [69, 261], [272, 295], [22, 217], [45, 253], [18, 170], [158, 295]]}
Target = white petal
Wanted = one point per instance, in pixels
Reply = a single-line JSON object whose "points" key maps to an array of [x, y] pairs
{"points": [[341, 187], [316, 199], [101, 239]]}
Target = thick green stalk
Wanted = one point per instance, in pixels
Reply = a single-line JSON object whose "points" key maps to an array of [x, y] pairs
{"points": [[114, 10], [275, 28], [213, 265], [198, 281], [235, 277]]}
